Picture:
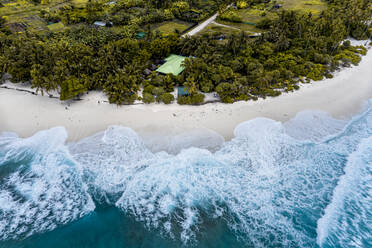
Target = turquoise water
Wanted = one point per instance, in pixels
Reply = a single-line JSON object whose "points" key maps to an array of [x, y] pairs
{"points": [[304, 183]]}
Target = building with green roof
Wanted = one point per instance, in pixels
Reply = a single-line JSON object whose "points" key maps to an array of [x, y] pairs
{"points": [[172, 65], [140, 35]]}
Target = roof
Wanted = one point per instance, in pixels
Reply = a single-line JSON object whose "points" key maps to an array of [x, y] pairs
{"points": [[182, 91], [172, 65], [101, 24], [140, 35]]}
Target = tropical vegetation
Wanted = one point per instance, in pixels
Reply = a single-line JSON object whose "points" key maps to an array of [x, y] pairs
{"points": [[293, 48]]}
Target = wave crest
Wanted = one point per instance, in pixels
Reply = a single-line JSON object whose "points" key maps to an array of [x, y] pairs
{"points": [[269, 185]]}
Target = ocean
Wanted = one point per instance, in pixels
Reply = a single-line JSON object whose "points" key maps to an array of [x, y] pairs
{"points": [[303, 183]]}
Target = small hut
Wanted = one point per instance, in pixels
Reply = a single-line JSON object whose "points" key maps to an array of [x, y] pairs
{"points": [[182, 91], [102, 24], [140, 35]]}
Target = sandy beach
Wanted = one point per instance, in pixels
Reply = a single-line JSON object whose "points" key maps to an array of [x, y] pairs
{"points": [[25, 114]]}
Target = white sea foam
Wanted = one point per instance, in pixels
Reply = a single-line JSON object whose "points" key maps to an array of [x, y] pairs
{"points": [[45, 191], [172, 140], [347, 219], [313, 126], [254, 182], [270, 184], [108, 159]]}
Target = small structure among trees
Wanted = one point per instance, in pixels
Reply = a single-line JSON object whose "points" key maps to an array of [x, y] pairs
{"points": [[102, 24], [140, 35], [172, 65], [182, 91]]}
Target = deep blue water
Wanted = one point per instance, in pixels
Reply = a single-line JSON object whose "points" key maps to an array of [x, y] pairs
{"points": [[304, 183]]}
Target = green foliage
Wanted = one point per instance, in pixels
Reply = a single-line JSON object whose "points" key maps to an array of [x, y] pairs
{"points": [[295, 47], [72, 87], [195, 99], [166, 98], [230, 16], [2, 22], [242, 5], [122, 87], [157, 91], [316, 73], [227, 92], [183, 100], [348, 57], [147, 98], [3, 28], [148, 89]]}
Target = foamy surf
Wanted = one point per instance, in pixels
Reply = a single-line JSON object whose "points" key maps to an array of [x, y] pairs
{"points": [[347, 219], [272, 185]]}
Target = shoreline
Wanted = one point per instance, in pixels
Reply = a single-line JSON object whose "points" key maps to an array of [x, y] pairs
{"points": [[341, 97]]}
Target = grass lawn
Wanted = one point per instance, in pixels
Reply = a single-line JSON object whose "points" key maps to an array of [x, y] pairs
{"points": [[216, 29], [259, 12], [313, 6], [171, 26], [250, 17], [255, 15], [242, 26], [56, 26], [24, 13]]}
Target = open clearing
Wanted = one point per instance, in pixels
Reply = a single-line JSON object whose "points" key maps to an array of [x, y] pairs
{"points": [[171, 27], [241, 26], [217, 29], [313, 6], [255, 15], [251, 16], [21, 14]]}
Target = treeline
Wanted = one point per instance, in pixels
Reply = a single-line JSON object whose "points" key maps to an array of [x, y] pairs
{"points": [[135, 13], [83, 59], [294, 48]]}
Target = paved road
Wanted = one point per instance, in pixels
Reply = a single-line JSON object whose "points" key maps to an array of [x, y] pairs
{"points": [[204, 24], [201, 26]]}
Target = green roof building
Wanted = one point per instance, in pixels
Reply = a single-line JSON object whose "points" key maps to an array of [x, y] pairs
{"points": [[172, 65], [140, 35]]}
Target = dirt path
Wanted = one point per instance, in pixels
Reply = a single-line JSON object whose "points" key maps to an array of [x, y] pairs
{"points": [[223, 25]]}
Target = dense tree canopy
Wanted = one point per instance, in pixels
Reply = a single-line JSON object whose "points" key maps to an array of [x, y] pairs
{"points": [[293, 48]]}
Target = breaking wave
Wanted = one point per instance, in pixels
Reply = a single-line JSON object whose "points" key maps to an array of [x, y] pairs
{"points": [[304, 183]]}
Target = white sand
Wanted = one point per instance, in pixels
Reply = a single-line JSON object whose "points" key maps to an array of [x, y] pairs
{"points": [[25, 114]]}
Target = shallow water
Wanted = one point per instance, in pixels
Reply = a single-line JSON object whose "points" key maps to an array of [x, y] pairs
{"points": [[304, 183]]}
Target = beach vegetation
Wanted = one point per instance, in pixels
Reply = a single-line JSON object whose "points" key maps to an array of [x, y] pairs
{"points": [[76, 56], [242, 5], [148, 98], [194, 99], [166, 98]]}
